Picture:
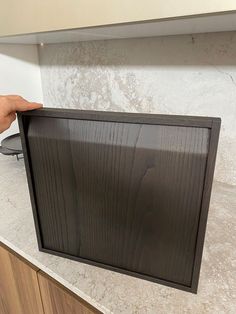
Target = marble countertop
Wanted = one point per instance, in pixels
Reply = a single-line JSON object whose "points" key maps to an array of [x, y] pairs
{"points": [[112, 292]]}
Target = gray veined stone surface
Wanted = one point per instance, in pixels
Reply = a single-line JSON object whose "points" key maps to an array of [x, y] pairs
{"points": [[116, 293], [189, 75]]}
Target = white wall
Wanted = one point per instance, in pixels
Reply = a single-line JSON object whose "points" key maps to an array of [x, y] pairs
{"points": [[189, 75], [19, 75]]}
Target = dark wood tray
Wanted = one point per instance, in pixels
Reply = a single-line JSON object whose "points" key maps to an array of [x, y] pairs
{"points": [[124, 191]]}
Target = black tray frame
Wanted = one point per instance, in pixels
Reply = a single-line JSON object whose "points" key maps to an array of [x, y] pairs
{"points": [[213, 124]]}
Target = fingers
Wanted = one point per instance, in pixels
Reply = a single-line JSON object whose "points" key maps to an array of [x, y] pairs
{"points": [[13, 103], [13, 97], [23, 105], [6, 122], [11, 117], [9, 105]]}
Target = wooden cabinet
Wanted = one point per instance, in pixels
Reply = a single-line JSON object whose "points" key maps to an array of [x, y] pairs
{"points": [[59, 301], [24, 289], [19, 290], [25, 16], [90, 16]]}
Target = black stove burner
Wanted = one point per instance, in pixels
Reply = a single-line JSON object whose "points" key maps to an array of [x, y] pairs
{"points": [[11, 146]]}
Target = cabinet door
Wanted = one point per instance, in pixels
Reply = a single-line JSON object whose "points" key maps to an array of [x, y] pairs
{"points": [[58, 300], [19, 291]]}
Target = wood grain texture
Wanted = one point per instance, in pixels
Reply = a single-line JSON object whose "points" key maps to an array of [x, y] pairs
{"points": [[214, 137], [123, 117], [58, 300], [126, 195], [19, 291]]}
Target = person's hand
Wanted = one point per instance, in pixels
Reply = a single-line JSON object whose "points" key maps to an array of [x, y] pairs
{"points": [[8, 107]]}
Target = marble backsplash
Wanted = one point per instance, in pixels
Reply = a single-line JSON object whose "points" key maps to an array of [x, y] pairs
{"points": [[187, 75]]}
